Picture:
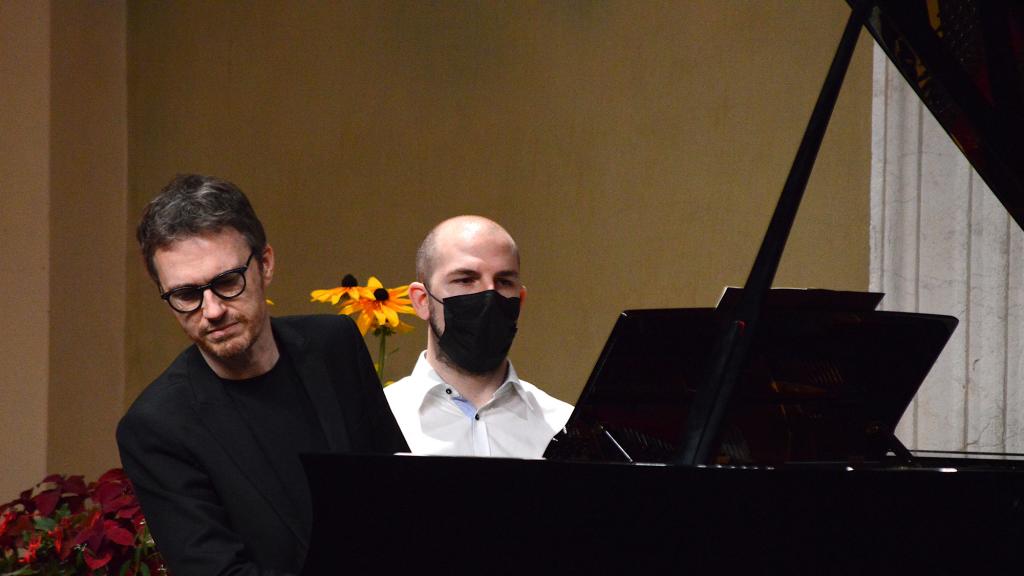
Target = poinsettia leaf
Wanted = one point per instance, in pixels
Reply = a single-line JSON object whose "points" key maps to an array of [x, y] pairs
{"points": [[46, 502], [6, 517], [118, 503], [96, 562], [73, 504], [77, 528], [95, 539], [66, 551], [75, 485], [106, 492], [92, 532], [113, 475], [21, 524], [80, 538], [128, 511], [88, 526], [115, 533]]}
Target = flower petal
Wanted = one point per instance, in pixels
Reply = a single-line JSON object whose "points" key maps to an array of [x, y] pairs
{"points": [[360, 293], [380, 317], [352, 307], [403, 308], [363, 322], [390, 315], [322, 295]]}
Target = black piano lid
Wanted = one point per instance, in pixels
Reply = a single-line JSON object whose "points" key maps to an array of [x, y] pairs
{"points": [[600, 519], [828, 379], [965, 60]]}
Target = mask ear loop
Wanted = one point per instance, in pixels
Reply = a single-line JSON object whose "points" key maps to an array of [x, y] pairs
{"points": [[431, 294]]}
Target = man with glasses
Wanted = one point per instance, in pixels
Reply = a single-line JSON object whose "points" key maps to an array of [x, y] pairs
{"points": [[212, 444]]}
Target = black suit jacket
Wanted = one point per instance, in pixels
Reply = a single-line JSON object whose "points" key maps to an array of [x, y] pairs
{"points": [[215, 503]]}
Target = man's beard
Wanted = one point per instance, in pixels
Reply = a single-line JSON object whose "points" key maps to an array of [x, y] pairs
{"points": [[443, 356], [237, 347]]}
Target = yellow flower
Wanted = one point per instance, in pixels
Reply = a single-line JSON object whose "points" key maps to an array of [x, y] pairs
{"points": [[381, 310], [377, 308], [349, 289]]}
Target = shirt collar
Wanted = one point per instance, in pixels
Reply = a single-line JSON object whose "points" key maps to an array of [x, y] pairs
{"points": [[435, 385]]}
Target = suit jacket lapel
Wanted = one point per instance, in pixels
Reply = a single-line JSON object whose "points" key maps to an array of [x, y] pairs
{"points": [[313, 372], [227, 425]]}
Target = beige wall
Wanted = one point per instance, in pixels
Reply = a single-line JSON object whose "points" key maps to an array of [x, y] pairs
{"points": [[635, 150], [63, 223], [24, 230], [88, 181]]}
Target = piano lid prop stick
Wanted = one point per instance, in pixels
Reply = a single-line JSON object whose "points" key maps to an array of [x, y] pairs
{"points": [[730, 352]]}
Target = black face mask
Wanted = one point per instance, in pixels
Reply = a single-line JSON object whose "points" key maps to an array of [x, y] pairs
{"points": [[478, 329]]}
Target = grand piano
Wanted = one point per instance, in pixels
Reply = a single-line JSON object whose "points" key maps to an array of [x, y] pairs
{"points": [[761, 435]]}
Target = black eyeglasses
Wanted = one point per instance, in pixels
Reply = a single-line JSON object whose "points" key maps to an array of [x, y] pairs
{"points": [[226, 285]]}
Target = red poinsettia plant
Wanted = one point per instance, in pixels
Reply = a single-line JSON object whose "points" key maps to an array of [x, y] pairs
{"points": [[64, 526]]}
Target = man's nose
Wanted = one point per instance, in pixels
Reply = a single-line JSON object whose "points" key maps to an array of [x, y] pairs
{"points": [[213, 306]]}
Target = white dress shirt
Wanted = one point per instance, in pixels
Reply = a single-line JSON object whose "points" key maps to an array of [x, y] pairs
{"points": [[517, 422]]}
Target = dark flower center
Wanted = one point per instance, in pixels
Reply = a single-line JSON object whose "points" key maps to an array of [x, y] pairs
{"points": [[380, 294], [349, 281]]}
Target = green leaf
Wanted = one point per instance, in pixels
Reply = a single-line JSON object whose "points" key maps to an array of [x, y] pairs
{"points": [[144, 568], [124, 568], [43, 523]]}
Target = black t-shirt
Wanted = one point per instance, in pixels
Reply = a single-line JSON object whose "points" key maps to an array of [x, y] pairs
{"points": [[281, 415]]}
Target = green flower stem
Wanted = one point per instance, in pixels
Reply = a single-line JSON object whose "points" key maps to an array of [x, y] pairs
{"points": [[382, 355]]}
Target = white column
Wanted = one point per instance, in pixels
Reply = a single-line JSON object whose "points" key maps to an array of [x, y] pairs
{"points": [[942, 243]]}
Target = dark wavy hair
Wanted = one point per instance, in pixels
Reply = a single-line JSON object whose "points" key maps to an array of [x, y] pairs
{"points": [[192, 204]]}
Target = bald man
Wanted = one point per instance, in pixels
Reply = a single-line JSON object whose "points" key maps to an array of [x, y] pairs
{"points": [[464, 398]]}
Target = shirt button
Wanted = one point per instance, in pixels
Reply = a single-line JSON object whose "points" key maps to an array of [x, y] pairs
{"points": [[447, 390], [477, 416]]}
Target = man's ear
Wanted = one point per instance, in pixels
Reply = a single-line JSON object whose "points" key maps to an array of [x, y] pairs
{"points": [[420, 300], [267, 264], [522, 295]]}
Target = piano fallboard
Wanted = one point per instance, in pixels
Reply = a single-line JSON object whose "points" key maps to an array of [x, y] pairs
{"points": [[380, 514]]}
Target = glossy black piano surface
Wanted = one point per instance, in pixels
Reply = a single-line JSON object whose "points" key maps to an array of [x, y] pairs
{"points": [[413, 514], [825, 494], [965, 60], [828, 379]]}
